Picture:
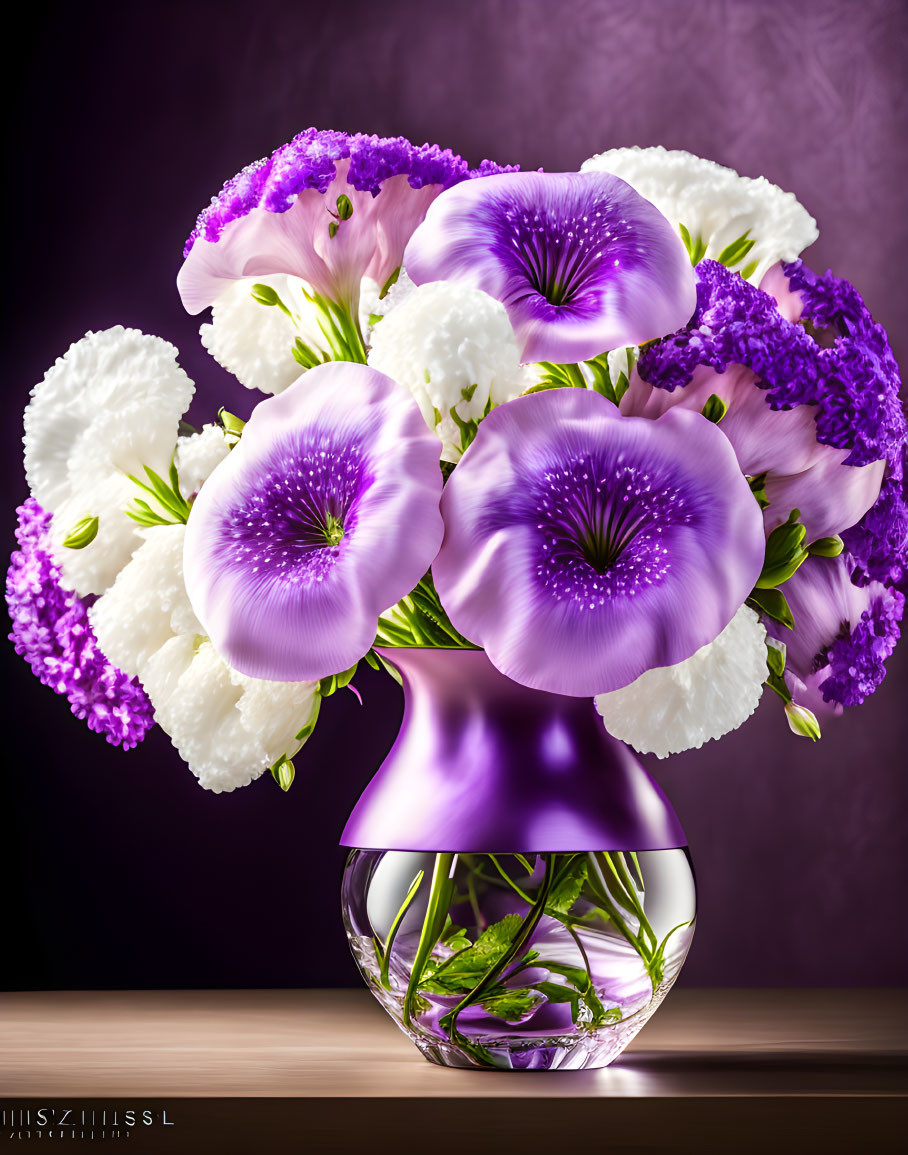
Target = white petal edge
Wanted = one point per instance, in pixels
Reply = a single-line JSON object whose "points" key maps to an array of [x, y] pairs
{"points": [[227, 728], [714, 202], [674, 708]]}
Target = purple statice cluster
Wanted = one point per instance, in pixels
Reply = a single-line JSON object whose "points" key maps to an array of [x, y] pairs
{"points": [[838, 359], [310, 161], [850, 374], [52, 632], [857, 660]]}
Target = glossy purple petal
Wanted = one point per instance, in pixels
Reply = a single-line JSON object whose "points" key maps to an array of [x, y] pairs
{"points": [[278, 215], [583, 548], [581, 261], [323, 516]]}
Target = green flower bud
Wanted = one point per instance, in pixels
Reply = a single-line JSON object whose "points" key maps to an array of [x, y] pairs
{"points": [[802, 721], [83, 533]]}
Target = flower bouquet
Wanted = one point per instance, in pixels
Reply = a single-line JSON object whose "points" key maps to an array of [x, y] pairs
{"points": [[534, 442]]}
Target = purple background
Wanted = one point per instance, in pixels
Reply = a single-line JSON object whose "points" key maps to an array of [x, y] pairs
{"points": [[122, 122]]}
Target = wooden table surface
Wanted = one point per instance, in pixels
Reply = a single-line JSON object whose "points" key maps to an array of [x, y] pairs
{"points": [[723, 1070]]}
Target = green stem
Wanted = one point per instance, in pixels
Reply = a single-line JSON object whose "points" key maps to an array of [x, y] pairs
{"points": [[436, 914], [598, 887], [510, 881], [395, 926], [519, 941], [619, 867]]}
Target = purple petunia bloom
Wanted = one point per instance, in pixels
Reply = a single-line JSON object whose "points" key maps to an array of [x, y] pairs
{"points": [[324, 515], [282, 214], [581, 262], [52, 632], [583, 548]]}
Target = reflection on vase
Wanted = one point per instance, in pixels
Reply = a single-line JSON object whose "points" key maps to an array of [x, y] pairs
{"points": [[511, 961]]}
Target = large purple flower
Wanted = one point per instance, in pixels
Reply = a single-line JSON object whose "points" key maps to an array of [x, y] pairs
{"points": [[581, 261], [324, 515], [583, 548], [327, 207]]}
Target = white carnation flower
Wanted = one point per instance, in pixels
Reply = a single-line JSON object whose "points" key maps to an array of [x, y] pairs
{"points": [[108, 407], [454, 349], [147, 605], [227, 727], [254, 341], [675, 708], [402, 288], [198, 455], [714, 203]]}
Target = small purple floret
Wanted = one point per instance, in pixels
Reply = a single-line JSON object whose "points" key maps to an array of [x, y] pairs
{"points": [[857, 661], [52, 632]]}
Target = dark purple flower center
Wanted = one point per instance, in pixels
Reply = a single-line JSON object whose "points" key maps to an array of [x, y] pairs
{"points": [[294, 525], [562, 252], [601, 525]]}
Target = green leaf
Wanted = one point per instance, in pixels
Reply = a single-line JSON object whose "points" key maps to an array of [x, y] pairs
{"points": [[265, 295], [392, 280], [777, 683], [344, 207], [510, 1004], [714, 409], [802, 721], [775, 656], [826, 547], [305, 355], [774, 604], [785, 552], [749, 269], [83, 533], [758, 489], [233, 425], [283, 772], [735, 252], [567, 890], [696, 249]]}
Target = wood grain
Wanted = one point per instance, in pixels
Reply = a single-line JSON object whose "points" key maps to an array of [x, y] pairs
{"points": [[340, 1044]]}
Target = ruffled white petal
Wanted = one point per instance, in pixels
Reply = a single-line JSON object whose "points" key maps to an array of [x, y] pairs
{"points": [[108, 407], [675, 708], [714, 203], [93, 569], [454, 348], [228, 728], [147, 605], [254, 341], [197, 456]]}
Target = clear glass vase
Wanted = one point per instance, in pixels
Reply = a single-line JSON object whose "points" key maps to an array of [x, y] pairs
{"points": [[551, 951], [519, 962]]}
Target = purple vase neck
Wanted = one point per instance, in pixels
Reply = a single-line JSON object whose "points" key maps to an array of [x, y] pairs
{"points": [[482, 764]]}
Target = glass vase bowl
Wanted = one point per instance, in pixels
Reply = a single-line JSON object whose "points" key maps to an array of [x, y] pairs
{"points": [[519, 962]]}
